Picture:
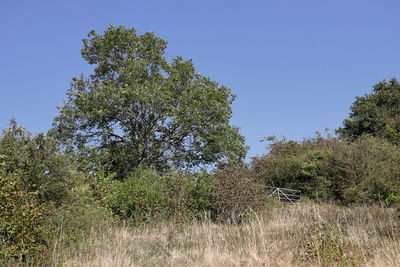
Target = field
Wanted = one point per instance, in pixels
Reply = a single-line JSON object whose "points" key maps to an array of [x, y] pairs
{"points": [[304, 234]]}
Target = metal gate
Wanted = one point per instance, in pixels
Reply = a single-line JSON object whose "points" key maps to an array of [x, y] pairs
{"points": [[286, 195]]}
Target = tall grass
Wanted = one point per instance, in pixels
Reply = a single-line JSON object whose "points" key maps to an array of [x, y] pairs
{"points": [[304, 234]]}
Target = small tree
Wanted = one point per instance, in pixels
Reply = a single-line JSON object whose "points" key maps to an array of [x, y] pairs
{"points": [[37, 162], [139, 109], [33, 180]]}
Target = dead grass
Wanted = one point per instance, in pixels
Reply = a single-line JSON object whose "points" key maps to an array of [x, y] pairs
{"points": [[299, 235]]}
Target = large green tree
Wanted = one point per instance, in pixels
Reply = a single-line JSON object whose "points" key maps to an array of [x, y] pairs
{"points": [[137, 108], [377, 113]]}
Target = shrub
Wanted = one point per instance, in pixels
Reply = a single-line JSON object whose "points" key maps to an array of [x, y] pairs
{"points": [[147, 196], [235, 193], [201, 199], [307, 166], [22, 220], [38, 162], [103, 187], [74, 221], [363, 171], [178, 188], [33, 180], [139, 197]]}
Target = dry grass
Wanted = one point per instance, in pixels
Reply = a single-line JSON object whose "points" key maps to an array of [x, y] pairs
{"points": [[303, 234]]}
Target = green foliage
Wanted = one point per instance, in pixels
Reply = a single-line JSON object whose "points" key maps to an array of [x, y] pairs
{"points": [[36, 159], [376, 114], [103, 188], [147, 196], [139, 197], [372, 168], [74, 220], [393, 200], [138, 109], [363, 171], [202, 202], [306, 166], [22, 217], [33, 179]]}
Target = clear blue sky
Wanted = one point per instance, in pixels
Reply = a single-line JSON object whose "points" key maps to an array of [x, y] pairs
{"points": [[295, 66]]}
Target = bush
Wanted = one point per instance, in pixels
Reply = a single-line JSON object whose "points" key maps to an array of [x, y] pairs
{"points": [[147, 196], [372, 168], [22, 218], [333, 169], [178, 188], [201, 199], [33, 180], [235, 193], [74, 221], [38, 162], [103, 187]]}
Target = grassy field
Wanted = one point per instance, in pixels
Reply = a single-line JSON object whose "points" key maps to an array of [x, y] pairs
{"points": [[304, 234]]}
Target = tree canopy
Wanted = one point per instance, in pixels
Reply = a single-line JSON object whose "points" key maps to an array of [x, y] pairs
{"points": [[137, 108], [376, 114]]}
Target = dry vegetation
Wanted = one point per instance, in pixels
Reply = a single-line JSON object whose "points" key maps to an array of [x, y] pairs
{"points": [[304, 234]]}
